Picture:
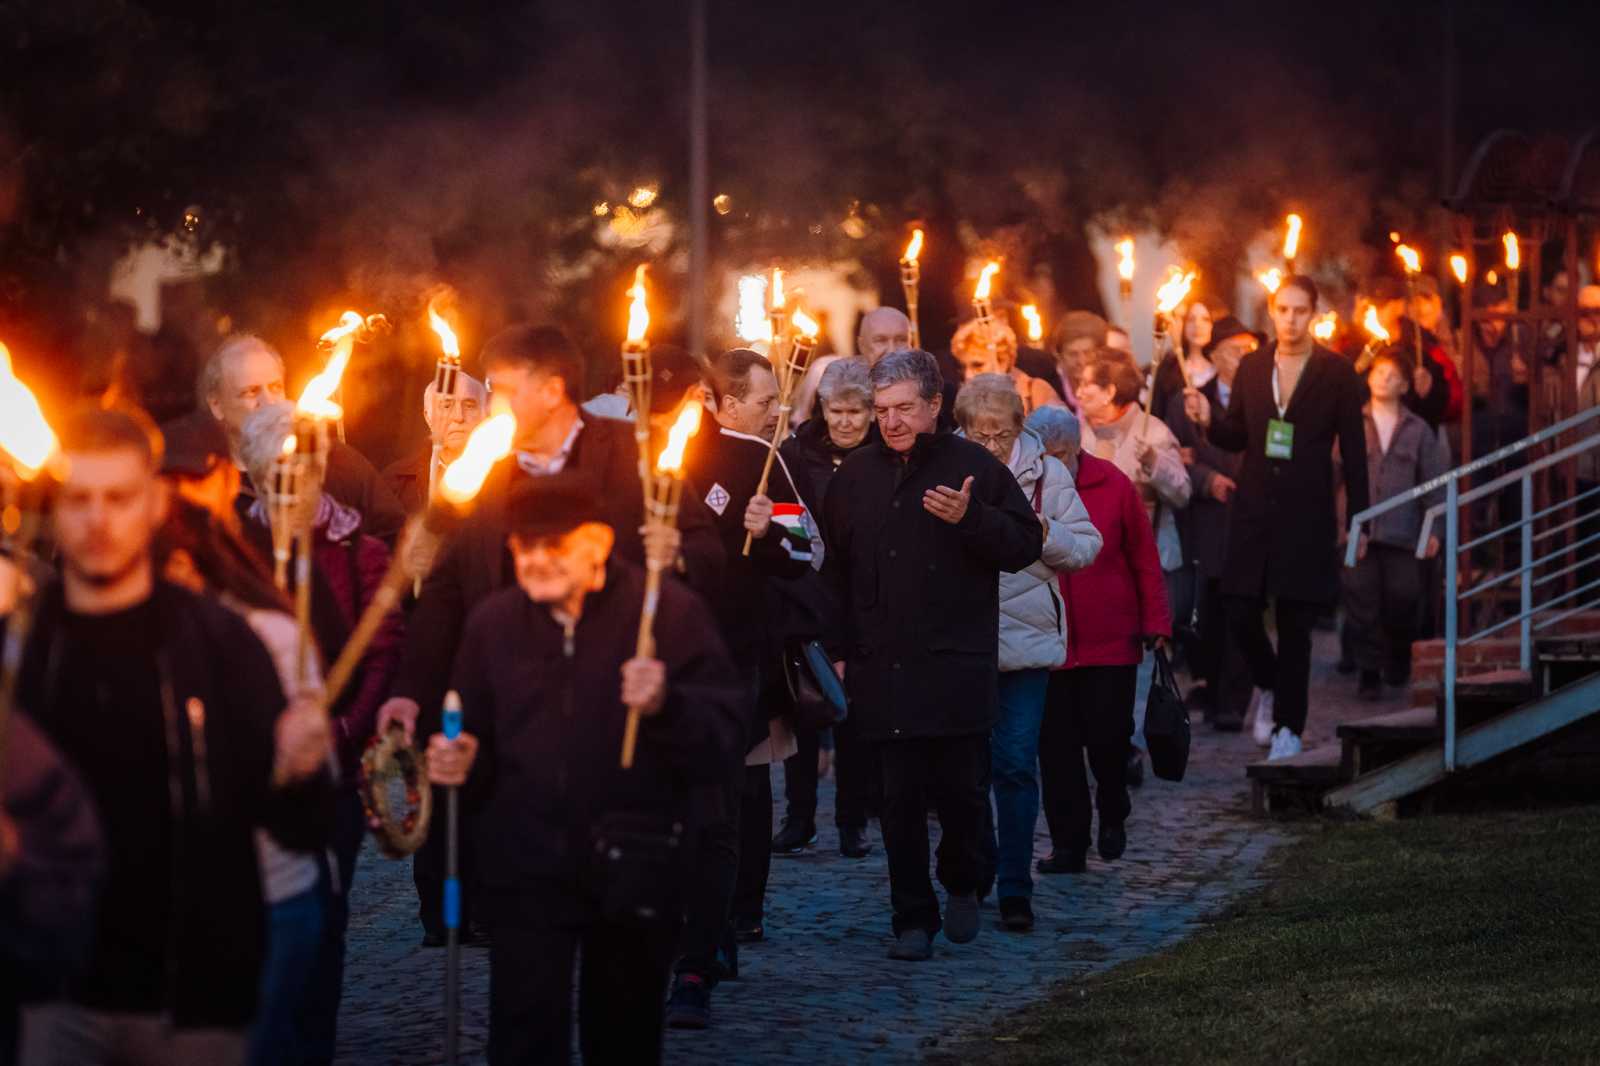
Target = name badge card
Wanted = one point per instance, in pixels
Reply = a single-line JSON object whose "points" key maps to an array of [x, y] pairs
{"points": [[1280, 439]]}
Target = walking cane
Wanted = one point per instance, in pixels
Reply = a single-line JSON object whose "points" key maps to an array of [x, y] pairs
{"points": [[452, 896]]}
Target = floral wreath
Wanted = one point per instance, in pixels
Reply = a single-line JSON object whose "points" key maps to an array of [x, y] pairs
{"points": [[388, 756]]}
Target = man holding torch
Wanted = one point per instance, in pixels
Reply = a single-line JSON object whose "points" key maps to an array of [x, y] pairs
{"points": [[450, 420], [575, 853]]}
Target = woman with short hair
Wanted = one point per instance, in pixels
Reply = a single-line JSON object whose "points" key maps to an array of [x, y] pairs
{"points": [[996, 353]]}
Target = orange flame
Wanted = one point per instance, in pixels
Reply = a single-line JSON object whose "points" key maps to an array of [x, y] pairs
{"points": [[1270, 279], [447, 336], [1125, 259], [1035, 324], [1373, 327], [914, 249], [1408, 255], [806, 325], [1174, 289], [985, 279], [1513, 251], [775, 293], [489, 443], [1291, 239], [670, 461], [638, 313], [1325, 326], [24, 433], [1458, 267], [290, 444], [316, 399]]}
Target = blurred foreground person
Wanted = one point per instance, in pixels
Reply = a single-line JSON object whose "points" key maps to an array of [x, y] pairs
{"points": [[170, 708], [575, 854]]}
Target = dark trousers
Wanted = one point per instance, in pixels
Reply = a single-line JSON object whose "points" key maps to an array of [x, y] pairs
{"points": [[1217, 660], [320, 1023], [428, 871], [952, 774], [1286, 670], [1088, 715], [1382, 603], [755, 845], [853, 778], [621, 992], [712, 877]]}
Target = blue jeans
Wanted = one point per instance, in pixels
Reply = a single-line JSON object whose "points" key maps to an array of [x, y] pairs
{"points": [[1014, 767], [294, 937]]}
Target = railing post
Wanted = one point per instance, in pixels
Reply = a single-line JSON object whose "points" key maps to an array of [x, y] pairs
{"points": [[1452, 542], [1526, 648]]}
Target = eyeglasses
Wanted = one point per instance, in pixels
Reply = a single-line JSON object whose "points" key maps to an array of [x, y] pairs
{"points": [[998, 439]]}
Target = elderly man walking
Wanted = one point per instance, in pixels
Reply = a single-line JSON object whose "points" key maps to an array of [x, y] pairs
{"points": [[919, 527]]}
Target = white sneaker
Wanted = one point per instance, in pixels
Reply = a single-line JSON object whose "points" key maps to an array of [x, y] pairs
{"points": [[1285, 745], [1264, 724]]}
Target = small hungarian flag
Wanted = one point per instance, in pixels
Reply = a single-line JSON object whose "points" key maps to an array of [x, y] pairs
{"points": [[794, 523]]}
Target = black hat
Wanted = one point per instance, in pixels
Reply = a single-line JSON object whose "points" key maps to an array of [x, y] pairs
{"points": [[195, 444], [1226, 328], [553, 504], [673, 372]]}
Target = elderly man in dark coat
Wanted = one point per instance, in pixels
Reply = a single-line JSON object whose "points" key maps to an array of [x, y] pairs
{"points": [[1292, 401], [919, 527]]}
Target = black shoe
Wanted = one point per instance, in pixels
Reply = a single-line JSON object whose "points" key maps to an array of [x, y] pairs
{"points": [[1073, 862], [1369, 689], [749, 932], [1136, 769], [689, 1006], [1016, 913], [913, 945], [1113, 842], [853, 842], [794, 838], [961, 917], [431, 939]]}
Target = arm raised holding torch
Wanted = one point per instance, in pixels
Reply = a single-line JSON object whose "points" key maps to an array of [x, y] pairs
{"points": [[789, 374]]}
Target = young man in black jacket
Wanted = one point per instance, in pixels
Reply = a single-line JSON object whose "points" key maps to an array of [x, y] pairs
{"points": [[575, 852], [918, 529], [170, 709]]}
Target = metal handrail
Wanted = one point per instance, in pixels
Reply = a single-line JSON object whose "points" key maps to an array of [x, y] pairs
{"points": [[1450, 508]]}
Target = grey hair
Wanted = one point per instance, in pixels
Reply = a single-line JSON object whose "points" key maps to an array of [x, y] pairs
{"points": [[845, 380], [261, 437], [994, 392], [209, 384], [909, 364], [1056, 428]]}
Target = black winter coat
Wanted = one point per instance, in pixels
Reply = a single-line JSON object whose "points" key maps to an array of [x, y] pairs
{"points": [[1203, 525], [921, 619], [476, 561], [548, 714], [1282, 540], [222, 793]]}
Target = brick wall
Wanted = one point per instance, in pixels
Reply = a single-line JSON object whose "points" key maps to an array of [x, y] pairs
{"points": [[1498, 652]]}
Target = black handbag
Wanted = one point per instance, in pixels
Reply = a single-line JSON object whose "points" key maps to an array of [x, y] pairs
{"points": [[817, 700], [1166, 723]]}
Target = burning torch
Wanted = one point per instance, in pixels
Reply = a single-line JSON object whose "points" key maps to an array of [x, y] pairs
{"points": [[446, 373], [1030, 315], [1413, 264], [1513, 266], [982, 313], [910, 279], [1169, 296], [1377, 337], [1125, 276], [636, 374], [1291, 241], [661, 510], [777, 318], [789, 374]]}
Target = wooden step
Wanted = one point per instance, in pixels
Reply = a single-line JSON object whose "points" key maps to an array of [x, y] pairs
{"points": [[1481, 697], [1300, 781], [1413, 723]]}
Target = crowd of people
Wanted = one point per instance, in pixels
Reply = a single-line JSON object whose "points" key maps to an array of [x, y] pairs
{"points": [[988, 544]]}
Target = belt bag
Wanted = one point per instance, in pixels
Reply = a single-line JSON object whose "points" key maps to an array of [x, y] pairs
{"points": [[638, 866]]}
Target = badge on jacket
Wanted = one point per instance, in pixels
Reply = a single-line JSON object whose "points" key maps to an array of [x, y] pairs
{"points": [[717, 499], [1280, 439]]}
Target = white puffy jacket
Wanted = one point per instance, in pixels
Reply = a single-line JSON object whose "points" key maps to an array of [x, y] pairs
{"points": [[1032, 623]]}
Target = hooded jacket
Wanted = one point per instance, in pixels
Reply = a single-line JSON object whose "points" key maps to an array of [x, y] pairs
{"points": [[1033, 624]]}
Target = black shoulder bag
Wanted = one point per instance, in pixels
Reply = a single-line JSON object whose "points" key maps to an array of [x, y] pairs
{"points": [[1166, 723]]}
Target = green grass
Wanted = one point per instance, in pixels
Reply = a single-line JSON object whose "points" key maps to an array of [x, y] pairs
{"points": [[1462, 939]]}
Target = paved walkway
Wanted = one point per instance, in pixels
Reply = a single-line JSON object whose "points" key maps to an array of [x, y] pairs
{"points": [[820, 990]]}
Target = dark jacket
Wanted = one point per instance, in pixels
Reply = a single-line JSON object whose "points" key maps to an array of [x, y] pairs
{"points": [[813, 459], [355, 482], [549, 717], [475, 562], [921, 619], [408, 479], [1203, 524], [1415, 455], [1283, 536], [1121, 597], [212, 664]]}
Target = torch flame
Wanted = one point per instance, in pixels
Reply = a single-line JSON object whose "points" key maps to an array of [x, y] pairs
{"points": [[805, 324], [670, 461], [24, 434], [1408, 255], [290, 443], [1291, 239], [1373, 327], [985, 278], [316, 399], [1173, 290], [1458, 267], [776, 292], [913, 249], [489, 443], [1035, 324], [638, 313], [447, 336], [1325, 326], [1125, 259], [1513, 251], [1270, 279], [349, 323], [751, 321]]}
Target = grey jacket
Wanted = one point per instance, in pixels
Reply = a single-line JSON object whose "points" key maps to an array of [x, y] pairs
{"points": [[1416, 454]]}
